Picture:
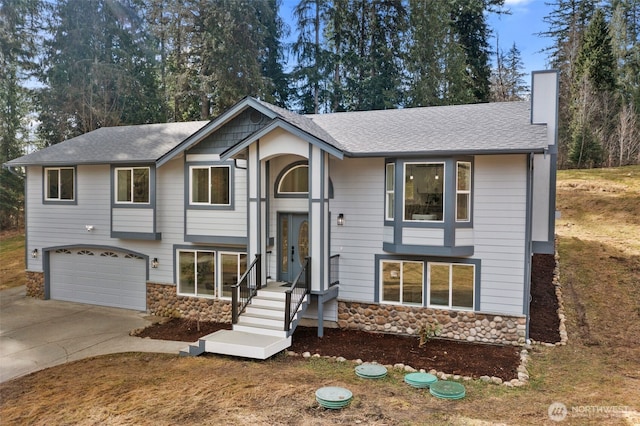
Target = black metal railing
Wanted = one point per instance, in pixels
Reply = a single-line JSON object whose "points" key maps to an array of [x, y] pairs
{"points": [[247, 287], [334, 270], [296, 293]]}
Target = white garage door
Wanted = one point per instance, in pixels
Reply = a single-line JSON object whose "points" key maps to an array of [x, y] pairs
{"points": [[98, 277]]}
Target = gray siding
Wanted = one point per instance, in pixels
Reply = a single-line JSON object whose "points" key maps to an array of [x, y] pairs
{"points": [[132, 220], [499, 230], [220, 222], [423, 236], [359, 195]]}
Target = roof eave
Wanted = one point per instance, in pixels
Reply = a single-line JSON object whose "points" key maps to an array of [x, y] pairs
{"points": [[440, 153]]}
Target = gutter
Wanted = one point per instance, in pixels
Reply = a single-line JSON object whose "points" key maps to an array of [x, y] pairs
{"points": [[13, 171]]}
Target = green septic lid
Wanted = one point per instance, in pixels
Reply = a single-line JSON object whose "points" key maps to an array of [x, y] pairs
{"points": [[333, 397], [420, 380], [447, 390], [371, 371]]}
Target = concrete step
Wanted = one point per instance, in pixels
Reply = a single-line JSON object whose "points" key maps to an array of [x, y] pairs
{"points": [[266, 330], [268, 311], [271, 294], [267, 302], [262, 320], [245, 344]]}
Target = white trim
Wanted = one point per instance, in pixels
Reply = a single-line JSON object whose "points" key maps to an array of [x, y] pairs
{"points": [[210, 184], [132, 188], [466, 191], [389, 207], [401, 279], [46, 183], [450, 265], [282, 178]]}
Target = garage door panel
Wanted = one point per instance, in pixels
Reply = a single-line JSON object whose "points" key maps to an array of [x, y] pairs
{"points": [[115, 279]]}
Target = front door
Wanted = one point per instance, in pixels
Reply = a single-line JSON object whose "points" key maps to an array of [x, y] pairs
{"points": [[294, 244]]}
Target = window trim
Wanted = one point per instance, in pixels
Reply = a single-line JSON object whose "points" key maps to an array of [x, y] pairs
{"points": [[218, 284], [45, 186], [284, 173], [132, 188], [450, 302], [426, 289], [389, 207], [401, 262], [443, 163], [210, 168], [468, 192]]}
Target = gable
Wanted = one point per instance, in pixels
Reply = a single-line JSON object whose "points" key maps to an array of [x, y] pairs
{"points": [[240, 127]]}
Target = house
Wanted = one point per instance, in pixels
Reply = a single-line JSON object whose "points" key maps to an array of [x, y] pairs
{"points": [[375, 220]]}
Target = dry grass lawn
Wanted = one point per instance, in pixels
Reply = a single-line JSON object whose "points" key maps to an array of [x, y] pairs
{"points": [[12, 259], [600, 275]]}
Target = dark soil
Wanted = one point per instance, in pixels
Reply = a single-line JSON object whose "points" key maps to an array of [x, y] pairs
{"points": [[452, 357], [181, 330], [544, 324]]}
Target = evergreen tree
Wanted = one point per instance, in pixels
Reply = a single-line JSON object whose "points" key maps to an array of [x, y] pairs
{"points": [[313, 70], [469, 20], [595, 99], [100, 70], [567, 23], [507, 80], [217, 52], [436, 60], [18, 29]]}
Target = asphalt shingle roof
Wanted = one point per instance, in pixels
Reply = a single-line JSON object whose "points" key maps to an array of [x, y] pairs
{"points": [[122, 144], [489, 127], [476, 128]]}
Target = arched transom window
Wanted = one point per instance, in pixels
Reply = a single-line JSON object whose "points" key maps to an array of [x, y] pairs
{"points": [[295, 180]]}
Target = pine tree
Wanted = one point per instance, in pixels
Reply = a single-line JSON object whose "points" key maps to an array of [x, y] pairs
{"points": [[313, 70], [507, 80], [567, 23], [595, 95], [19, 25], [100, 70]]}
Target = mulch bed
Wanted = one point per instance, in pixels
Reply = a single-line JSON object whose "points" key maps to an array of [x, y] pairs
{"points": [[452, 357], [544, 323]]}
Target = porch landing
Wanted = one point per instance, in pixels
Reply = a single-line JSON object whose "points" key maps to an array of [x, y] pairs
{"points": [[259, 333]]}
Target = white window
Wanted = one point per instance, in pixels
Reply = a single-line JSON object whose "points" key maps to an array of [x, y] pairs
{"points": [[389, 201], [451, 285], [463, 191], [424, 192], [233, 266], [211, 185], [207, 273], [59, 184], [402, 282], [197, 273], [295, 181], [132, 185]]}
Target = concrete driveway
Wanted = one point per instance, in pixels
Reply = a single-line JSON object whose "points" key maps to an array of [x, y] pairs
{"points": [[37, 334]]}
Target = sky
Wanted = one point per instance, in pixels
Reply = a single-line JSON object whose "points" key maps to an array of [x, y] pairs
{"points": [[521, 27]]}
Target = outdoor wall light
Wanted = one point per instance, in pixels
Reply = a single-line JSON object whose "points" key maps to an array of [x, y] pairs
{"points": [[155, 263], [340, 219], [34, 253], [89, 228]]}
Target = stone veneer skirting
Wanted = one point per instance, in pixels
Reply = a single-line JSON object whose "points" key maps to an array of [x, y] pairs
{"points": [[35, 284], [163, 301], [457, 325]]}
